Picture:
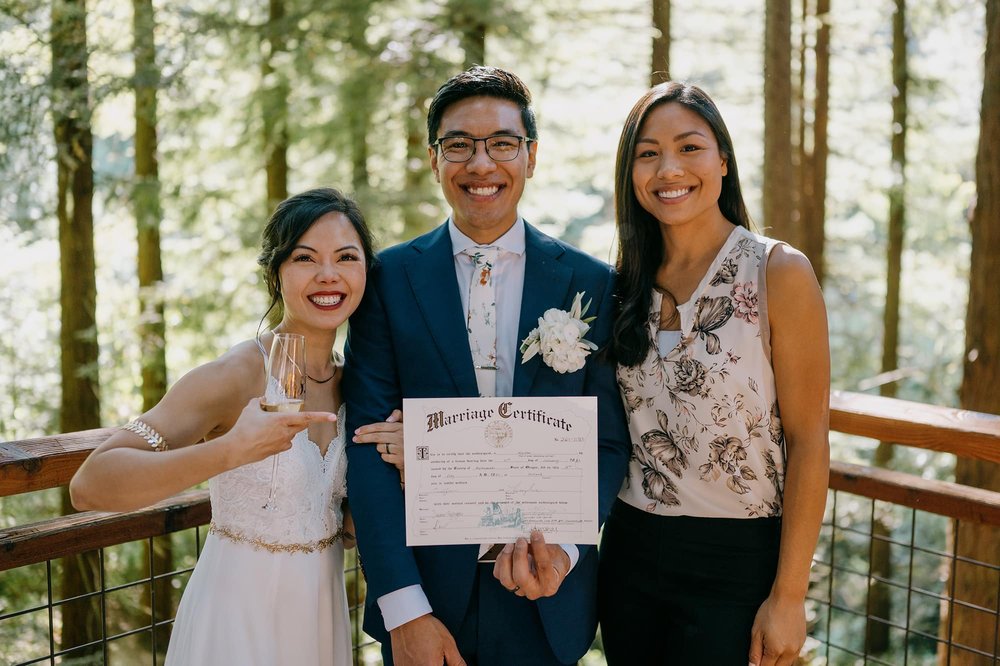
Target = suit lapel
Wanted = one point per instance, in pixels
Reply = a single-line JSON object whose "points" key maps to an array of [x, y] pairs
{"points": [[546, 285], [432, 277]]}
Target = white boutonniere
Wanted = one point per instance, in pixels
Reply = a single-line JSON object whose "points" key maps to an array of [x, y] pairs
{"points": [[559, 337]]}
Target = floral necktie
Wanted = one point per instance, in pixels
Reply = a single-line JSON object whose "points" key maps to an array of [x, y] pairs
{"points": [[481, 320], [482, 327]]}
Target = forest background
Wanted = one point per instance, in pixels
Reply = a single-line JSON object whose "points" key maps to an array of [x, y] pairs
{"points": [[197, 117]]}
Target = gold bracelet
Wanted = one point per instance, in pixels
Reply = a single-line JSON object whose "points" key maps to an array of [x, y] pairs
{"points": [[145, 431]]}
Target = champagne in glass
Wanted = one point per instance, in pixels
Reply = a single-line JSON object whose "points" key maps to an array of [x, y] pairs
{"points": [[286, 387], [290, 406]]}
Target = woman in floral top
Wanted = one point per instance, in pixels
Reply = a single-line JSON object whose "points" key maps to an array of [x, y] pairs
{"points": [[705, 558]]}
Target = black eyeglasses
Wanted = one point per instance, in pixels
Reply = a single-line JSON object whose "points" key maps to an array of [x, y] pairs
{"points": [[500, 147]]}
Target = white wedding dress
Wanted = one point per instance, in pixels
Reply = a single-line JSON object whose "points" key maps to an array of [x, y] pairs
{"points": [[268, 588]]}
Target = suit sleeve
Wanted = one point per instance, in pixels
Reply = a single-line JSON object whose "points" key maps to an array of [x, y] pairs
{"points": [[612, 431], [371, 390]]}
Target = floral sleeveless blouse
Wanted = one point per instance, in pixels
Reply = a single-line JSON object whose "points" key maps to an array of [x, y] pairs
{"points": [[703, 419]]}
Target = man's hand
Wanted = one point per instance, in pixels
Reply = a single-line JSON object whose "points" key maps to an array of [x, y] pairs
{"points": [[779, 630], [532, 570], [424, 641]]}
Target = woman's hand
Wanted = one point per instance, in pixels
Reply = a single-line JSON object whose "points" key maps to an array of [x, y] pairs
{"points": [[258, 434], [778, 633], [348, 538], [388, 440]]}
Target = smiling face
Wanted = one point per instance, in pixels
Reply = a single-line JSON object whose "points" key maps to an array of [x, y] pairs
{"points": [[677, 168], [483, 194], [323, 279]]}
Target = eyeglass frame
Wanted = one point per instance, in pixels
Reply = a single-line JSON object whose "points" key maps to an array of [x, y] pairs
{"points": [[520, 139]]}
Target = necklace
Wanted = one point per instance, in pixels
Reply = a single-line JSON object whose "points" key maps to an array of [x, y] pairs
{"points": [[323, 381]]}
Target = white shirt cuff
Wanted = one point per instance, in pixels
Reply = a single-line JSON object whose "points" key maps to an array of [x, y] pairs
{"points": [[573, 552], [405, 604]]}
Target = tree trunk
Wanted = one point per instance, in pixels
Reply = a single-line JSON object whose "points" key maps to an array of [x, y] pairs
{"points": [[80, 405], [469, 20], [146, 204], [810, 157], [417, 190], [659, 70], [879, 601], [981, 373], [275, 108], [880, 605], [897, 196], [814, 221], [778, 179], [800, 106], [358, 101]]}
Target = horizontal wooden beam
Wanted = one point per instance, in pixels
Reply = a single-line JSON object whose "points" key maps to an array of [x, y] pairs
{"points": [[959, 431], [82, 532], [941, 497], [45, 462]]}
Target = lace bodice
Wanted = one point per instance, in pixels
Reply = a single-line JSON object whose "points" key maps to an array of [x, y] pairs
{"points": [[309, 491]]}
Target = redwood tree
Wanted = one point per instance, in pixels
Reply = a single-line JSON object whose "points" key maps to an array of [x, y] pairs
{"points": [[80, 404], [659, 69], [880, 604], [981, 372], [146, 205], [469, 20], [779, 183], [813, 148], [275, 106]]}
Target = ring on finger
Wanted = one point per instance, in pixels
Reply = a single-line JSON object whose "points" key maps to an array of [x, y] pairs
{"points": [[515, 589]]}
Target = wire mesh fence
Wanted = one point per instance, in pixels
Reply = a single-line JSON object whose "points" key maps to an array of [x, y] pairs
{"points": [[886, 588], [126, 618]]}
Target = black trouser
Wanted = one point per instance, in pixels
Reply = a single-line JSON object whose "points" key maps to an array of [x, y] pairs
{"points": [[682, 590]]}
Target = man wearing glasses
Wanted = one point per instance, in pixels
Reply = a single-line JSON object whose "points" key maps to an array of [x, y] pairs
{"points": [[443, 316]]}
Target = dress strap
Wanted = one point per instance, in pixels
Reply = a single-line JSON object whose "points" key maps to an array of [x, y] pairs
{"points": [[263, 353]]}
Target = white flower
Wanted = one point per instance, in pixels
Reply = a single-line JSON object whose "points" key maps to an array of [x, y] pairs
{"points": [[559, 338]]}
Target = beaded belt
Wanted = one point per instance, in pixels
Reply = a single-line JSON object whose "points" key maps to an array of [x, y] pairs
{"points": [[312, 546]]}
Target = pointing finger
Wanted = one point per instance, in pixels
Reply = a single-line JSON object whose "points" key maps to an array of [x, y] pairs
{"points": [[305, 418]]}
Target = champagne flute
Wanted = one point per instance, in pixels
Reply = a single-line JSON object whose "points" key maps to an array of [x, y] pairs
{"points": [[286, 387]]}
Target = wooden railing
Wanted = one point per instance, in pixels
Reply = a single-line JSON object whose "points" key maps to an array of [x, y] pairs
{"points": [[961, 432], [49, 462]]}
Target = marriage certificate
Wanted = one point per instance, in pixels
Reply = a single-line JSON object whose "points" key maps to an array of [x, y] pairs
{"points": [[487, 470]]}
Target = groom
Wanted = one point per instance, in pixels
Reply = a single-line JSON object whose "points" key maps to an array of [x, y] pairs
{"points": [[443, 316]]}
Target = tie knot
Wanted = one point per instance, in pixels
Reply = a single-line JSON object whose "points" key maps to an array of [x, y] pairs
{"points": [[483, 256]]}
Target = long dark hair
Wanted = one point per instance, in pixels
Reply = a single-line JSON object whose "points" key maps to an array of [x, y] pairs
{"points": [[640, 244], [292, 218]]}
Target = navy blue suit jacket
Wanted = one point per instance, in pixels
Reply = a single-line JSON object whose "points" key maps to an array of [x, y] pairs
{"points": [[408, 339]]}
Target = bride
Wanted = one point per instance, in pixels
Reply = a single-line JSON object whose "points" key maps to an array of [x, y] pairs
{"points": [[268, 587]]}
